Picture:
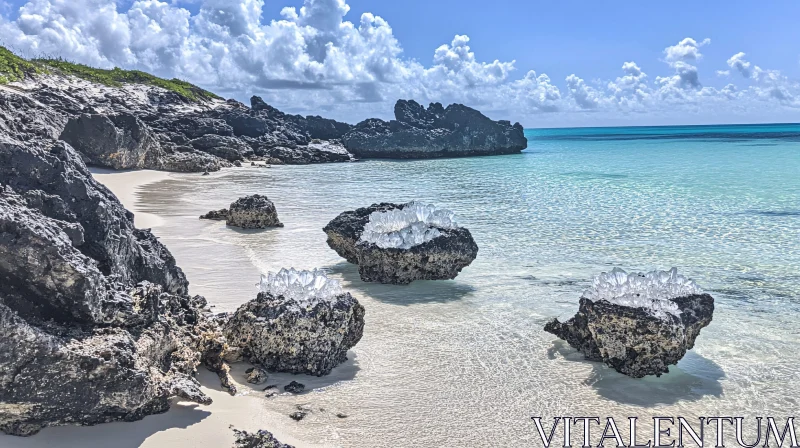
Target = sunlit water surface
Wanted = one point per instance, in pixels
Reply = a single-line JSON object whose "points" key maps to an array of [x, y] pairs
{"points": [[466, 362]]}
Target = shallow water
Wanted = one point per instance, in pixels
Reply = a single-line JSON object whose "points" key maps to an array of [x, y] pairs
{"points": [[466, 362]]}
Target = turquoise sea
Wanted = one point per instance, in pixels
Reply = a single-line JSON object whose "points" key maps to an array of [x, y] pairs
{"points": [[466, 362]]}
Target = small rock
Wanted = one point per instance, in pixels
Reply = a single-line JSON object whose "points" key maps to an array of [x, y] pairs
{"points": [[261, 439], [256, 375], [205, 173], [341, 415], [216, 215], [298, 415], [294, 387]]}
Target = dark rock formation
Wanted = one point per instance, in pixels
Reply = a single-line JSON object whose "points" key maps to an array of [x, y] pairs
{"points": [[216, 215], [631, 340], [253, 212], [316, 151], [119, 141], [283, 335], [229, 148], [455, 131], [294, 387], [256, 375], [438, 259], [95, 323], [261, 439]]}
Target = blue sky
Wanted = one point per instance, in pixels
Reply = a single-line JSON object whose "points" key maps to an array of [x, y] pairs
{"points": [[314, 62]]}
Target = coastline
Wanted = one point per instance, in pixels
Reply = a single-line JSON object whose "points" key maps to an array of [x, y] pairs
{"points": [[185, 424], [126, 186]]}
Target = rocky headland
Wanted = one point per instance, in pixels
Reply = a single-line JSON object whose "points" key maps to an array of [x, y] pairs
{"points": [[132, 120]]}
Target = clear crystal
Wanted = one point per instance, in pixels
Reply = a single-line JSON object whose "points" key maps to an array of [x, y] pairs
{"points": [[304, 287], [652, 291], [406, 227]]}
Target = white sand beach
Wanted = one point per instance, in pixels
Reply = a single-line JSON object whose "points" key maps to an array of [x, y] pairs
{"points": [[126, 186]]}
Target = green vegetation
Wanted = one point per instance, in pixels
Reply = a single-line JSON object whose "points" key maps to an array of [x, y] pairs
{"points": [[14, 68], [117, 77]]}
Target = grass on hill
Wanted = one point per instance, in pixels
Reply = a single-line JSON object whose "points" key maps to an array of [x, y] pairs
{"points": [[116, 77], [14, 68]]}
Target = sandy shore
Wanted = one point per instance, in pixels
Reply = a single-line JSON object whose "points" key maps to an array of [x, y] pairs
{"points": [[126, 185], [186, 424]]}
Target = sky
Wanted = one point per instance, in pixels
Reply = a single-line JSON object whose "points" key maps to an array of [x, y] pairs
{"points": [[544, 64]]}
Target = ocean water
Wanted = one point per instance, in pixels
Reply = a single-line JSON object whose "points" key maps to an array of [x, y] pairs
{"points": [[466, 363]]}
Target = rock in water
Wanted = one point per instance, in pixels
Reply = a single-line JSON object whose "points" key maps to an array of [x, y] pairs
{"points": [[455, 131], [253, 212], [256, 375], [301, 322], [638, 324], [216, 215], [294, 387], [95, 323], [400, 243], [261, 439]]}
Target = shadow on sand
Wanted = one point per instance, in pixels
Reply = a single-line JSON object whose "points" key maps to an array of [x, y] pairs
{"points": [[420, 291], [346, 371], [117, 434], [693, 378]]}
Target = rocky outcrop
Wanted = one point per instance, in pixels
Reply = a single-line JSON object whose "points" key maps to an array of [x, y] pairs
{"points": [[260, 439], [95, 323], [253, 212], [300, 322], [440, 258], [317, 151], [286, 336], [634, 340], [119, 141], [416, 132]]}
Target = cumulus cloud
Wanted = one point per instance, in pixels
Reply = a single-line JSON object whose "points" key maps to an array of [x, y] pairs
{"points": [[319, 57], [738, 63]]}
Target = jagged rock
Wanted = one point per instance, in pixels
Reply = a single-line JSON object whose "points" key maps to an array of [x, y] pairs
{"points": [[253, 212], [216, 215], [117, 141], [261, 439], [317, 151], [455, 131], [632, 340], [294, 387], [287, 335], [95, 323], [229, 148], [256, 375], [443, 257]]}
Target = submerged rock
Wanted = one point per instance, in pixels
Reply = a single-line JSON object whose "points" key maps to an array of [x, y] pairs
{"points": [[638, 324], [260, 439], [294, 387], [256, 375], [390, 244], [253, 212], [455, 131], [307, 326], [298, 415]]}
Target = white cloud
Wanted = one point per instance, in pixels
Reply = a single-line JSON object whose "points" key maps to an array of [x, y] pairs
{"points": [[319, 59], [738, 63]]}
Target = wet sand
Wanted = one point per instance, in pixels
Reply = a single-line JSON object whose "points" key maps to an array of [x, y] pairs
{"points": [[126, 185]]}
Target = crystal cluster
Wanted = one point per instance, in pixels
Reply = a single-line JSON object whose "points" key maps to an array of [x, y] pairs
{"points": [[651, 291], [304, 287], [406, 227]]}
